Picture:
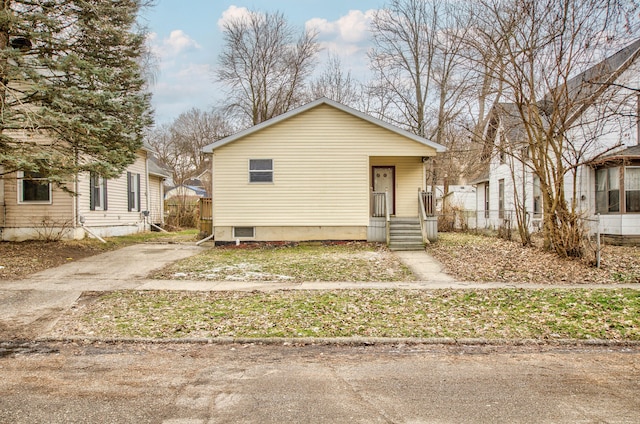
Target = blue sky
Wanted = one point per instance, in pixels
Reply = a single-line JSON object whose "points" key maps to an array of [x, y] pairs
{"points": [[187, 39]]}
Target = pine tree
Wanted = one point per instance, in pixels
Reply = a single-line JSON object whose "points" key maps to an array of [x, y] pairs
{"points": [[72, 95]]}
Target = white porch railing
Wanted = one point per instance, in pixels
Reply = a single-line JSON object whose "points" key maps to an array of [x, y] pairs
{"points": [[428, 221], [378, 204], [380, 209]]}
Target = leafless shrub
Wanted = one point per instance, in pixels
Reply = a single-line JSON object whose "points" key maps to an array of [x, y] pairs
{"points": [[49, 229]]}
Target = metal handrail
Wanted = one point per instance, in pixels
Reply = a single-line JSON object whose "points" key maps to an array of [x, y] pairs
{"points": [[387, 217], [423, 215]]}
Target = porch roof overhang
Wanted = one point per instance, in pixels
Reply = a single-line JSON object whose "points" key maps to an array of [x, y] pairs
{"points": [[626, 155]]}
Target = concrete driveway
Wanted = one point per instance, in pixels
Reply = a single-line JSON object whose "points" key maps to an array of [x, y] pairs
{"points": [[31, 307]]}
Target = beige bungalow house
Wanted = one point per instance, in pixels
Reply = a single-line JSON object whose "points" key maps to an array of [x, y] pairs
{"points": [[34, 208], [323, 171]]}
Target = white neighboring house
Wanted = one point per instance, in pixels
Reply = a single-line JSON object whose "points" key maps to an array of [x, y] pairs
{"points": [[462, 197], [31, 207], [608, 181], [185, 190]]}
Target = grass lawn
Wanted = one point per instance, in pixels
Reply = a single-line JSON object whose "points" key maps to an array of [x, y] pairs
{"points": [[555, 313], [494, 314], [343, 262]]}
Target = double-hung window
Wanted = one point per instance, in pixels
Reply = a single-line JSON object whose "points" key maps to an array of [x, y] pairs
{"points": [[486, 200], [608, 190], [632, 188], [98, 192], [501, 198], [537, 197], [260, 170], [33, 187], [133, 190]]}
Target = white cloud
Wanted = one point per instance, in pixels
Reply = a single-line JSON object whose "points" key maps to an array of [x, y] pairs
{"points": [[353, 28], [233, 13], [349, 37], [178, 42], [186, 86]]}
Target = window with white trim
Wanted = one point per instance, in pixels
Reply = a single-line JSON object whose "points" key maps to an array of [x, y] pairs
{"points": [[537, 197], [501, 198], [33, 187], [98, 192], [607, 190], [260, 170], [133, 190], [632, 188], [486, 200]]}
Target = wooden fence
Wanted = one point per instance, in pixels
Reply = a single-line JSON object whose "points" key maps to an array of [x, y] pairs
{"points": [[206, 215]]}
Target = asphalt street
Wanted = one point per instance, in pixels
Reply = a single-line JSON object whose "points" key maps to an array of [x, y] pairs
{"points": [[211, 383]]}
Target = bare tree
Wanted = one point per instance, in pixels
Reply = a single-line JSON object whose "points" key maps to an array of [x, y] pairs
{"points": [[547, 50], [423, 77], [195, 129], [179, 144], [335, 84], [265, 65], [404, 36]]}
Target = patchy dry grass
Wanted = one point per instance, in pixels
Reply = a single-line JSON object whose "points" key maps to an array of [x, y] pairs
{"points": [[345, 262], [479, 258], [494, 314]]}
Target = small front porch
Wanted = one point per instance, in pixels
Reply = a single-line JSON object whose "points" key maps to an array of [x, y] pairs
{"points": [[402, 233]]}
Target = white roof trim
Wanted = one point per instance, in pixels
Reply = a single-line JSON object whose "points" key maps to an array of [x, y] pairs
{"points": [[323, 100]]}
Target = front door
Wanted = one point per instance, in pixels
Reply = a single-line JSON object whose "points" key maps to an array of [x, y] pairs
{"points": [[384, 180]]}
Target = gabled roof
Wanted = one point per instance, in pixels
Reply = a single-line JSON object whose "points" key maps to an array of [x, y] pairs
{"points": [[322, 101], [583, 89], [157, 168], [198, 190]]}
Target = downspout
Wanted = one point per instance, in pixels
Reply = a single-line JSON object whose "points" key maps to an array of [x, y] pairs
{"points": [[148, 201], [92, 233], [76, 204]]}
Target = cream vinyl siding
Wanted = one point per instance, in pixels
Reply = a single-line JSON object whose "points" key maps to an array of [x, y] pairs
{"points": [[30, 215], [117, 212], [321, 171]]}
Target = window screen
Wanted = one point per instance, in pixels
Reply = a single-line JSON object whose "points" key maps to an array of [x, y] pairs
{"points": [[260, 170]]}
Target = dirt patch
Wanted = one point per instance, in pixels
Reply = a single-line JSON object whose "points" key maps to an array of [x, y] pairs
{"points": [[18, 260]]}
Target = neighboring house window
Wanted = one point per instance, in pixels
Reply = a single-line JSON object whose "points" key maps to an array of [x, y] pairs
{"points": [[632, 189], [607, 190], [537, 198], [501, 198], [486, 200], [98, 192], [260, 170], [133, 189], [33, 188]]}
